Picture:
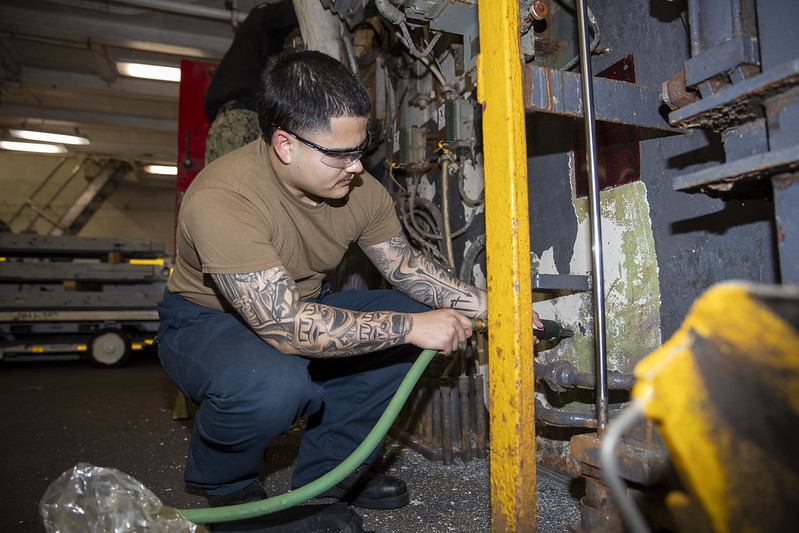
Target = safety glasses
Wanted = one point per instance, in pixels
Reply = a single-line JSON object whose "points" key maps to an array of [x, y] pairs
{"points": [[331, 157]]}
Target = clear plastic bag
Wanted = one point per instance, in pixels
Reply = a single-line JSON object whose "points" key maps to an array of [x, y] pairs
{"points": [[92, 499]]}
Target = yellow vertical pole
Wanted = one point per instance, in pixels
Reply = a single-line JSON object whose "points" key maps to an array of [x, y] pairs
{"points": [[511, 379]]}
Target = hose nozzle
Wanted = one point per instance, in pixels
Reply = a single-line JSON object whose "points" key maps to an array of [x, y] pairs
{"points": [[480, 324], [552, 330]]}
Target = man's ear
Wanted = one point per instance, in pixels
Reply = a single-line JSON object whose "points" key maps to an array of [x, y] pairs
{"points": [[284, 149]]}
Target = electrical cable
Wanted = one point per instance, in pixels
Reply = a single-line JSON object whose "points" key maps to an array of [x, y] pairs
{"points": [[446, 230], [470, 258], [429, 247], [464, 196], [428, 206]]}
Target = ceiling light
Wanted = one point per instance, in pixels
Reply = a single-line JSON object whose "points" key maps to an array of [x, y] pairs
{"points": [[150, 72], [42, 136], [33, 147], [161, 170]]}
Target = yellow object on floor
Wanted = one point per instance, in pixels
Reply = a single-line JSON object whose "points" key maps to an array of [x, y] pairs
{"points": [[725, 394]]}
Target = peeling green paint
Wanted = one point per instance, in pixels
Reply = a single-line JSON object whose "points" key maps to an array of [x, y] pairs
{"points": [[632, 288], [633, 325]]}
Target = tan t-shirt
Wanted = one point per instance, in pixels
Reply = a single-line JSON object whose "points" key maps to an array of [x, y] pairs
{"points": [[237, 218]]}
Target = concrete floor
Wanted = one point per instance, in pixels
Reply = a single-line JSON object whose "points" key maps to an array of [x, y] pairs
{"points": [[59, 414]]}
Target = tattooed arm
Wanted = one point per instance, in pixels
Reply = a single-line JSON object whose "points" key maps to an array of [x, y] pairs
{"points": [[423, 280], [271, 305]]}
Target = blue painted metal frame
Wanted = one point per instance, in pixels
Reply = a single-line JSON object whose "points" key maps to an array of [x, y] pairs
{"points": [[722, 58], [722, 177], [758, 116], [555, 91], [786, 212], [723, 37], [738, 103]]}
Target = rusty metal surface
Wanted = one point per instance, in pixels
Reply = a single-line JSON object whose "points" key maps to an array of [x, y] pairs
{"points": [[677, 93], [597, 511], [739, 103], [644, 463], [548, 90], [722, 178]]}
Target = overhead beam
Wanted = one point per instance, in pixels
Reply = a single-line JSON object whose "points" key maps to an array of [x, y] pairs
{"points": [[127, 33], [161, 90], [89, 117], [131, 149]]}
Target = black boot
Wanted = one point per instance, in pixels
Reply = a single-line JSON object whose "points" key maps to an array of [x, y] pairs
{"points": [[251, 493], [366, 488]]}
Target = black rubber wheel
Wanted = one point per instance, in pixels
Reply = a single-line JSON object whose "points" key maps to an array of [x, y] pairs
{"points": [[109, 348]]}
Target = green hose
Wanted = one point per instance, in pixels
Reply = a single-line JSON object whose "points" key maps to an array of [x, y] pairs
{"points": [[314, 488]]}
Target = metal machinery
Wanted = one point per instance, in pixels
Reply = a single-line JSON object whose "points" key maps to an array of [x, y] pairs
{"points": [[496, 145], [726, 405], [68, 296]]}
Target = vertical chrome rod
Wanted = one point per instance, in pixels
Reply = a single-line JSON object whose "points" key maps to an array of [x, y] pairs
{"points": [[598, 284]]}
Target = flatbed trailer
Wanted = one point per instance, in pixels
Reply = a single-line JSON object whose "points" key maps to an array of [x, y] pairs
{"points": [[106, 338], [75, 297]]}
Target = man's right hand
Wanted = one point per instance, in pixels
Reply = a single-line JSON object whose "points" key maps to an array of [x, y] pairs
{"points": [[441, 330]]}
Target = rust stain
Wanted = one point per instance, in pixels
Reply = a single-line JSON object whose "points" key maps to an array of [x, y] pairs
{"points": [[548, 78]]}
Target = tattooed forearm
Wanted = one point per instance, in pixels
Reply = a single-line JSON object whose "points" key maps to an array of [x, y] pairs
{"points": [[270, 304], [422, 279], [260, 297]]}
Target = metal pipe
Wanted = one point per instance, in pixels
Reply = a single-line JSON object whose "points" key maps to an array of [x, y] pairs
{"points": [[596, 225], [553, 417], [397, 17], [480, 423], [465, 418], [186, 9], [561, 376], [391, 13], [470, 258], [455, 409], [446, 230], [565, 419], [435, 406], [446, 421]]}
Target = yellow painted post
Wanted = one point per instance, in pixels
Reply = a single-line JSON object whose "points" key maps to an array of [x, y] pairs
{"points": [[511, 379]]}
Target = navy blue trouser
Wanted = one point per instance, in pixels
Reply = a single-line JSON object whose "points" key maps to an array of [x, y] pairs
{"points": [[248, 392]]}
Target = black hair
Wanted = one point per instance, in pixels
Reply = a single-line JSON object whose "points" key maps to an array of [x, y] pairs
{"points": [[302, 91]]}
